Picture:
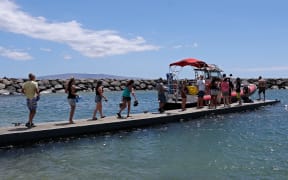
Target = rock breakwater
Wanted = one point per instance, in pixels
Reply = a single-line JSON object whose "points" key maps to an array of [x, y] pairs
{"points": [[12, 86]]}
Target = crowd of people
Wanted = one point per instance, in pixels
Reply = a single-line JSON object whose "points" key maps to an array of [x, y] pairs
{"points": [[219, 89], [216, 88], [31, 91]]}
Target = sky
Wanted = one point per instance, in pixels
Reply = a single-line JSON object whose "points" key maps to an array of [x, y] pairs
{"points": [[140, 38]]}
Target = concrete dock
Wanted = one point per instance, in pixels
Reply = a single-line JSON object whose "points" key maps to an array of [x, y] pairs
{"points": [[21, 135]]}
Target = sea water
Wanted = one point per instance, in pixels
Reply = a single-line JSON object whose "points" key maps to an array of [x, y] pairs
{"points": [[244, 145]]}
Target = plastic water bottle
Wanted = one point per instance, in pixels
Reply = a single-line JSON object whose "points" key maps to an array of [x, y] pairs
{"points": [[78, 98]]}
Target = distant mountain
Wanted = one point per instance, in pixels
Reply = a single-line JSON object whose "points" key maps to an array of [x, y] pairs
{"points": [[84, 76]]}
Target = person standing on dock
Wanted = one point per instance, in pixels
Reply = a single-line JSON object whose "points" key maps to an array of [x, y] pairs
{"points": [[72, 98], [238, 90], [183, 92], [31, 91], [214, 90], [126, 98], [261, 87], [225, 91], [201, 91], [98, 99], [161, 95], [231, 88]]}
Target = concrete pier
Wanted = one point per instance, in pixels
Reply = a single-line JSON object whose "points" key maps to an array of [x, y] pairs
{"points": [[21, 135]]}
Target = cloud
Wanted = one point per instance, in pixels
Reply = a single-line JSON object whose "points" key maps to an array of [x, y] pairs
{"points": [[45, 49], [177, 46], [89, 43], [67, 57], [194, 45], [14, 54]]}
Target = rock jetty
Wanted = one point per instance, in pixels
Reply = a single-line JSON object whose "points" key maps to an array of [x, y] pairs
{"points": [[13, 86]]}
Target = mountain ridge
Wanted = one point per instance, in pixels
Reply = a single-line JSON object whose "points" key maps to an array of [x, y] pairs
{"points": [[84, 76]]}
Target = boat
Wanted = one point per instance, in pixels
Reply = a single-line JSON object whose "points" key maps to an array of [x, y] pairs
{"points": [[208, 71]]}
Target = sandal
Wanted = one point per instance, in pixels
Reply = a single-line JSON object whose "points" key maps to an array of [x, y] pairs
{"points": [[119, 115]]}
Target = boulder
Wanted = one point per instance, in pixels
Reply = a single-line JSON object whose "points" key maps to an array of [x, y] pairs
{"points": [[82, 86], [112, 88], [274, 87], [11, 89], [143, 86], [58, 86], [137, 83], [54, 82], [7, 82], [115, 83], [60, 91], [106, 90], [19, 90], [48, 91], [123, 82], [4, 92], [105, 84], [19, 81], [45, 82], [2, 86], [17, 86], [117, 88], [42, 88], [150, 87]]}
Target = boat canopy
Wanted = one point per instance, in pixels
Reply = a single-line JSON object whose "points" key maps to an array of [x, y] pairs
{"points": [[190, 62]]}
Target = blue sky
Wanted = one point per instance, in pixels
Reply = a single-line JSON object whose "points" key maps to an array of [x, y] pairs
{"points": [[140, 38]]}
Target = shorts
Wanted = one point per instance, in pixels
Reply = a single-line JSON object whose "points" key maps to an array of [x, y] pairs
{"points": [[98, 99], [201, 94], [162, 98], [214, 92], [238, 95], [128, 99], [32, 104], [261, 90], [225, 93], [72, 101], [183, 95]]}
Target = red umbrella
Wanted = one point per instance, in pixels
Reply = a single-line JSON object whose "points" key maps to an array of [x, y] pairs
{"points": [[190, 62]]}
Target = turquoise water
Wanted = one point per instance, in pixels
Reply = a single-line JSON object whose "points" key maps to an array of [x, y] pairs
{"points": [[250, 145]]}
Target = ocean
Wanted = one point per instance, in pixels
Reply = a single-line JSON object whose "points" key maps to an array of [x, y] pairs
{"points": [[249, 145]]}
